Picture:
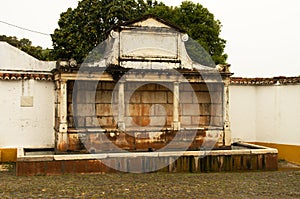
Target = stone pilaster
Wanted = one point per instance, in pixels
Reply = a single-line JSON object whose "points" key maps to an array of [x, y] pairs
{"points": [[121, 107], [227, 131], [62, 137], [176, 122]]}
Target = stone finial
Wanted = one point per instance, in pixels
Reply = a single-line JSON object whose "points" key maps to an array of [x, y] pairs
{"points": [[223, 68], [72, 63], [66, 65]]}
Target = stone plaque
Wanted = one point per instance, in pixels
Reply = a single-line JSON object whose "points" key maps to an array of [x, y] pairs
{"points": [[26, 101]]}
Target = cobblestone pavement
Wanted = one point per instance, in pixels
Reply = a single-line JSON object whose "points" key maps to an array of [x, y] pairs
{"points": [[279, 184]]}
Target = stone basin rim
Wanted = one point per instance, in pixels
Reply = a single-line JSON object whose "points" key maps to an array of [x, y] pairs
{"points": [[251, 149]]}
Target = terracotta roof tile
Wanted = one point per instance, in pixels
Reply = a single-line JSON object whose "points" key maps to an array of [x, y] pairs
{"points": [[264, 81], [25, 76]]}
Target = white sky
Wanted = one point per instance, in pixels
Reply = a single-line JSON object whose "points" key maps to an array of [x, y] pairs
{"points": [[263, 36]]}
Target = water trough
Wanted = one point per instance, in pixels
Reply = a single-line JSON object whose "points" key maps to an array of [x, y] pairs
{"points": [[242, 157]]}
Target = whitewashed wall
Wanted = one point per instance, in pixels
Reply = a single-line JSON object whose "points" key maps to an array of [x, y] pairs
{"points": [[268, 114], [242, 112], [14, 59], [26, 126]]}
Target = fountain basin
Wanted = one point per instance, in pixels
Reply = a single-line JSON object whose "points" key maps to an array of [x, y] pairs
{"points": [[241, 157]]}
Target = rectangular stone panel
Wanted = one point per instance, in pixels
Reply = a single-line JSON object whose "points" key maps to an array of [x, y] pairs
{"points": [[205, 109], [198, 121], [186, 120], [217, 110], [104, 110], [163, 45], [165, 87], [132, 97], [80, 121], [147, 87], [217, 121], [70, 109], [170, 97], [161, 110], [169, 121], [138, 110], [85, 109], [217, 87], [158, 121], [195, 86], [107, 121], [154, 97], [201, 97], [186, 97], [86, 85], [216, 97], [190, 109], [106, 86], [83, 96], [92, 122], [103, 97], [26, 101], [70, 122], [141, 86]]}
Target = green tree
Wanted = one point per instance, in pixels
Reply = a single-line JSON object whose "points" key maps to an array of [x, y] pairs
{"points": [[26, 46], [83, 28]]}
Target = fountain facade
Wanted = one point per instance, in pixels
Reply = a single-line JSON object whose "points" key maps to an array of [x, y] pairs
{"points": [[147, 99], [141, 93]]}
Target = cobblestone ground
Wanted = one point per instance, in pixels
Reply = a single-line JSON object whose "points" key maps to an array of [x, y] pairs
{"points": [[279, 184]]}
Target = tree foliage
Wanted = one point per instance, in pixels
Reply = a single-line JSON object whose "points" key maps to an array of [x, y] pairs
{"points": [[83, 28], [26, 46]]}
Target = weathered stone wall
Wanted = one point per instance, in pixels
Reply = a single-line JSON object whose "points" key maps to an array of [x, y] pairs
{"points": [[94, 105], [148, 105], [148, 115], [208, 102]]}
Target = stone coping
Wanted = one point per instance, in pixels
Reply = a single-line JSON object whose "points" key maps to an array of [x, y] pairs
{"points": [[132, 129], [253, 150]]}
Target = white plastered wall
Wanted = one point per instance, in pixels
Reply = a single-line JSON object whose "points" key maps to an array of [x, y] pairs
{"points": [[28, 124], [268, 114], [12, 58], [242, 113], [32, 126]]}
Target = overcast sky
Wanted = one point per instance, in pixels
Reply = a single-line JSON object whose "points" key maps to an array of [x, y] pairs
{"points": [[263, 36]]}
